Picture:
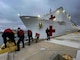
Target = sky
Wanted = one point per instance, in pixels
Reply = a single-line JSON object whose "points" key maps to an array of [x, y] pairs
{"points": [[9, 10]]}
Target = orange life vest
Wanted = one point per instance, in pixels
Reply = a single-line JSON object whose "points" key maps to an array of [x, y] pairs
{"points": [[37, 34], [8, 30], [29, 32], [21, 33]]}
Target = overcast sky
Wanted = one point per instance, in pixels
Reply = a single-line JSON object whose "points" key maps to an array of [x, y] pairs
{"points": [[10, 8]]}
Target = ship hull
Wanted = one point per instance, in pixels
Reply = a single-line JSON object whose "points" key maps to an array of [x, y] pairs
{"points": [[33, 24]]}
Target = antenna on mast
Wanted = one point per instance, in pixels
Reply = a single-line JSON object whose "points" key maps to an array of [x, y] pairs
{"points": [[50, 10]]}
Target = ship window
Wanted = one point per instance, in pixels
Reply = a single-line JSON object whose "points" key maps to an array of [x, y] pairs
{"points": [[27, 17], [61, 22]]}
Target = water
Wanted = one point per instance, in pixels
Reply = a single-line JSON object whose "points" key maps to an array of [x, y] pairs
{"points": [[1, 39]]}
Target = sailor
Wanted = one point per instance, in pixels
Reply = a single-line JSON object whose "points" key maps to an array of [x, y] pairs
{"points": [[48, 34], [29, 32], [20, 34], [8, 34], [37, 35]]}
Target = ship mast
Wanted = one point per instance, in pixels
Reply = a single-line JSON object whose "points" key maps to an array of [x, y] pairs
{"points": [[50, 11]]}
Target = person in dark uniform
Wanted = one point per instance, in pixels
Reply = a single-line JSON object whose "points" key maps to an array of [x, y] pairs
{"points": [[37, 35], [8, 33], [29, 36], [48, 34], [20, 34]]}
